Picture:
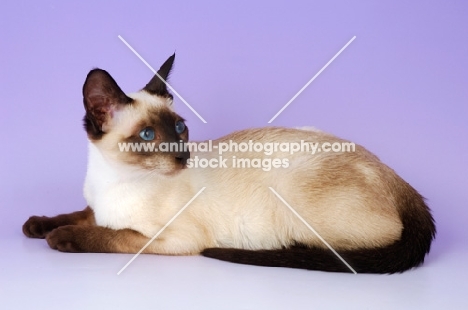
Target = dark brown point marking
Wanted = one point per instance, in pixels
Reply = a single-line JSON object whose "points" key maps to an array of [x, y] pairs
{"points": [[407, 252], [101, 97]]}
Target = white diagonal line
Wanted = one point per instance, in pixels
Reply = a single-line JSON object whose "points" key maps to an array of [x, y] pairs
{"points": [[311, 80], [161, 230], [313, 230], [167, 84]]}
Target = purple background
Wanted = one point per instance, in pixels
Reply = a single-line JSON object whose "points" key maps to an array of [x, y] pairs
{"points": [[400, 89]]}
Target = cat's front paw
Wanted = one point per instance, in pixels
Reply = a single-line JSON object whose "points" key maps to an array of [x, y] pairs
{"points": [[38, 226], [67, 239]]}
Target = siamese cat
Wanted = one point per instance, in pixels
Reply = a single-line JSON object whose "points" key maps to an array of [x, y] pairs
{"points": [[375, 220]]}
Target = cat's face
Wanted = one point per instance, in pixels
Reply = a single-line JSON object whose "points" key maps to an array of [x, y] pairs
{"points": [[128, 129]]}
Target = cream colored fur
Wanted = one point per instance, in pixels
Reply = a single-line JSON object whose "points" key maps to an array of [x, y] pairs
{"points": [[347, 198]]}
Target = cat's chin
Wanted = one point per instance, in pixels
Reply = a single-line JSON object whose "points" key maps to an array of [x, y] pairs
{"points": [[178, 168], [160, 167]]}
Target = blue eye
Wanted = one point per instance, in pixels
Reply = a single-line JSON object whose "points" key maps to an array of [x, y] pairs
{"points": [[147, 134], [179, 127]]}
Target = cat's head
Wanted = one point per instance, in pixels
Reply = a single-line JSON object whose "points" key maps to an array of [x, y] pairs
{"points": [[115, 121]]}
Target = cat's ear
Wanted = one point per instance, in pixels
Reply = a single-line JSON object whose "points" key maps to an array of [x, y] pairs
{"points": [[156, 86], [101, 97]]}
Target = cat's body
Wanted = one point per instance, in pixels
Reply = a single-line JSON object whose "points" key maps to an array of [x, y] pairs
{"points": [[374, 219]]}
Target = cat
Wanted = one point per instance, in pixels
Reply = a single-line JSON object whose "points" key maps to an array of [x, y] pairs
{"points": [[375, 220]]}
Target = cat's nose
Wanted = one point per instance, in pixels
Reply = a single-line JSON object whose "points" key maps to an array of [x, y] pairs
{"points": [[182, 157]]}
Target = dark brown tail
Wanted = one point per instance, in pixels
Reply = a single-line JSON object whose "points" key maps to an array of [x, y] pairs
{"points": [[408, 252]]}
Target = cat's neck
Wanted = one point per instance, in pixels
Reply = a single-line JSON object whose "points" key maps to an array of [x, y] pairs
{"points": [[108, 169], [104, 172]]}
